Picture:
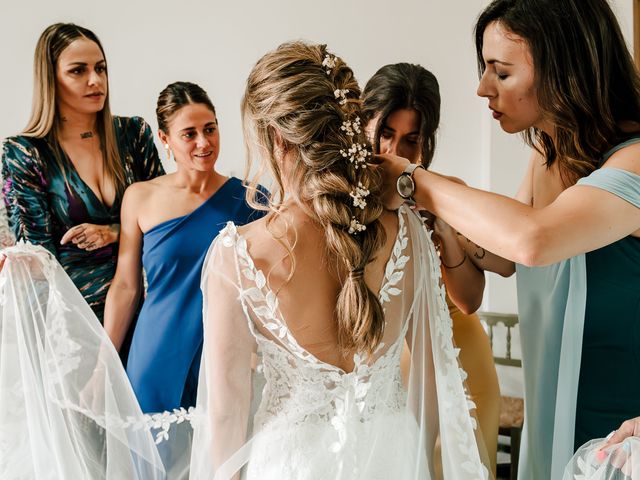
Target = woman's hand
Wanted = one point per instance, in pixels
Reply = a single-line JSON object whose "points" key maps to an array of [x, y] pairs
{"points": [[629, 428], [390, 167], [90, 237]]}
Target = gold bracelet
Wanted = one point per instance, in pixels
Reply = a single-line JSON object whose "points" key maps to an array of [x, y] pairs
{"points": [[454, 266]]}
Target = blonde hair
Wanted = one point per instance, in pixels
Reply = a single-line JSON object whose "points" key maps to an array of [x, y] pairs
{"points": [[45, 119], [290, 91]]}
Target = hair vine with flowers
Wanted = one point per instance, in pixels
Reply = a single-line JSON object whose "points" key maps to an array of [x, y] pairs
{"points": [[356, 154]]}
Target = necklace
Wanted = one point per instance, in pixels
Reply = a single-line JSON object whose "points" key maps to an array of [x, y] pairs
{"points": [[88, 134]]}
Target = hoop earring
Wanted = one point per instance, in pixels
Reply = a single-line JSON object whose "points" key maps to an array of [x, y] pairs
{"points": [[166, 147]]}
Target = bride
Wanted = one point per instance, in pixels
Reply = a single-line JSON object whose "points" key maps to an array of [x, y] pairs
{"points": [[308, 314]]}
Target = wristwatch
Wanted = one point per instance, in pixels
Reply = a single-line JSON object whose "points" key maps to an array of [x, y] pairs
{"points": [[405, 184]]}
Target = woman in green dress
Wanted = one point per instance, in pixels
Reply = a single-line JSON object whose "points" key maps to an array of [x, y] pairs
{"points": [[560, 72], [65, 175]]}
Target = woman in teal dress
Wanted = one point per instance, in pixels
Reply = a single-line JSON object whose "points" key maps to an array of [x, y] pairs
{"points": [[167, 226], [65, 175], [559, 71]]}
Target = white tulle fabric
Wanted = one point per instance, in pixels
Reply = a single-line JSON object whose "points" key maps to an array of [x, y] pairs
{"points": [[268, 409], [67, 410], [617, 462]]}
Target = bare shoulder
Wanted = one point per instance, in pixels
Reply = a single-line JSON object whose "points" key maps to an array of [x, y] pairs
{"points": [[143, 190], [627, 158], [139, 194], [537, 166], [136, 192]]}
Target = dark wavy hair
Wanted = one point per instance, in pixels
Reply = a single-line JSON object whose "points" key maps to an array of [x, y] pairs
{"points": [[586, 82], [399, 86]]}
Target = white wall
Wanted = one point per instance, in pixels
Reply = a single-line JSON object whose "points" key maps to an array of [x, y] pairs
{"points": [[150, 44]]}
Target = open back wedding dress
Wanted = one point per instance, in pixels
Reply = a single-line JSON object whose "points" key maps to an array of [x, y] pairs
{"points": [[267, 408]]}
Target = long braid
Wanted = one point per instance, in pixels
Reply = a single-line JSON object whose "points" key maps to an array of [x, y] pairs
{"points": [[312, 99]]}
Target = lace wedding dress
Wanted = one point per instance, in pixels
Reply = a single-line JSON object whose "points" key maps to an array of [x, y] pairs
{"points": [[267, 408], [313, 420]]}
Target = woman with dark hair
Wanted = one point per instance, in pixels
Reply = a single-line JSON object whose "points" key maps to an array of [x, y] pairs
{"points": [[167, 225], [559, 71], [401, 111], [65, 175]]}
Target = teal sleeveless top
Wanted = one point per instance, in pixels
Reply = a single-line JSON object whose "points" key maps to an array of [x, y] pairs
{"points": [[580, 334]]}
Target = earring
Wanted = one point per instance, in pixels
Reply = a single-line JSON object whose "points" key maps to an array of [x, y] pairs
{"points": [[166, 147]]}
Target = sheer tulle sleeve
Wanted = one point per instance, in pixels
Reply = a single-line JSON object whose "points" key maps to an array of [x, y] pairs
{"points": [[66, 406], [224, 389], [436, 388]]}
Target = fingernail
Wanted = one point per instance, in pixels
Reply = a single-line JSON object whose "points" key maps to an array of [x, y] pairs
{"points": [[601, 456], [610, 435]]}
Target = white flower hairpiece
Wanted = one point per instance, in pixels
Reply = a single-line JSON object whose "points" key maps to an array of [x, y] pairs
{"points": [[329, 62], [342, 95], [356, 227], [351, 127], [357, 154], [359, 196]]}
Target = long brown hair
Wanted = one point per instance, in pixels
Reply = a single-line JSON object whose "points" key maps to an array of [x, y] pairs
{"points": [[586, 81], [45, 119], [290, 92]]}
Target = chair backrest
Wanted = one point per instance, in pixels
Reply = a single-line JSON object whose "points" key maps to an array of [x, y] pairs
{"points": [[509, 320]]}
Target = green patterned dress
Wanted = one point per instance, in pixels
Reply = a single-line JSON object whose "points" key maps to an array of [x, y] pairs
{"points": [[43, 201]]}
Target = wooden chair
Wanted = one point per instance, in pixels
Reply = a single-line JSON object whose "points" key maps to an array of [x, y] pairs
{"points": [[511, 408]]}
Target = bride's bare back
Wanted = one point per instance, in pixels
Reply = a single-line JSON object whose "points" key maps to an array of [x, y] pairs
{"points": [[307, 301]]}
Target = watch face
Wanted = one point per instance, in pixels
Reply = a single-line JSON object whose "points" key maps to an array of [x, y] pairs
{"points": [[405, 186]]}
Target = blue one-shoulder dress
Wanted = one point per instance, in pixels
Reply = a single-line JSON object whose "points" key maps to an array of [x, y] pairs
{"points": [[165, 352], [580, 333]]}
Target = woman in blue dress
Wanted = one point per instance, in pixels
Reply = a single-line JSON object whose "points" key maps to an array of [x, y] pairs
{"points": [[167, 226], [560, 72], [65, 175]]}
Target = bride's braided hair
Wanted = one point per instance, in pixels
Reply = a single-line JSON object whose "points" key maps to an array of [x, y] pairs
{"points": [[311, 99]]}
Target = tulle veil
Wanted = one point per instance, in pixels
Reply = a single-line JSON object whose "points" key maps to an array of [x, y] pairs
{"points": [[67, 409]]}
